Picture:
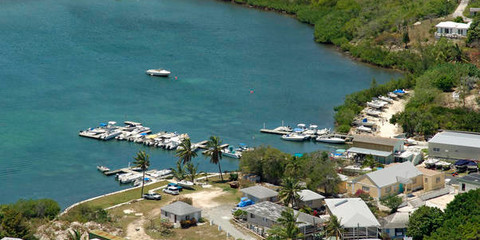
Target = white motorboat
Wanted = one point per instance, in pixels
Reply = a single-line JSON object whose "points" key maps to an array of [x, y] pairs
{"points": [[376, 104], [392, 95], [430, 163], [158, 72], [334, 140], [323, 131], [386, 99], [103, 169], [232, 153], [364, 129], [373, 112], [186, 184], [284, 129], [294, 137], [311, 131]]}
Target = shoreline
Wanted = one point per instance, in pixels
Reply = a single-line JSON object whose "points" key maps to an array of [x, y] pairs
{"points": [[338, 49]]}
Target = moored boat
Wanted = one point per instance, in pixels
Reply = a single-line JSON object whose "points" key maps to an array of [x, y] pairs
{"points": [[334, 140], [294, 137], [158, 72], [103, 168]]}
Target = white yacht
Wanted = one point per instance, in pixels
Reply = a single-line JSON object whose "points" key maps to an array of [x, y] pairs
{"points": [[334, 140], [158, 72], [392, 95], [294, 137]]}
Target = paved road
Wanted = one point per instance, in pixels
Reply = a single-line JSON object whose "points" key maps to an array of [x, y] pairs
{"points": [[459, 11], [221, 216]]}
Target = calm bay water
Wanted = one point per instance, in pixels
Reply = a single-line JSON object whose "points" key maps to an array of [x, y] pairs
{"points": [[70, 64]]}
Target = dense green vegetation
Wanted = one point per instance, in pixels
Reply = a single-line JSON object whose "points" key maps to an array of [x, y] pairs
{"points": [[461, 220], [18, 219], [271, 164], [376, 32]]}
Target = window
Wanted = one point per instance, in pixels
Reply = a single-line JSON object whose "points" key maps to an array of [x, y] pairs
{"points": [[388, 189], [437, 180], [264, 219], [414, 180], [252, 216], [166, 214], [436, 149], [187, 217], [463, 186], [426, 180], [365, 189]]}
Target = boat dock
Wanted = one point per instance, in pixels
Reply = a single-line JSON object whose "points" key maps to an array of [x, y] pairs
{"points": [[121, 170]]}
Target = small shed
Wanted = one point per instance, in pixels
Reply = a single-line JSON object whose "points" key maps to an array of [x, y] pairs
{"points": [[432, 180], [178, 211], [310, 198], [260, 194], [469, 182]]}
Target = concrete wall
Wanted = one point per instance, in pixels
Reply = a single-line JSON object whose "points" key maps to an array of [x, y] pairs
{"points": [[171, 217], [452, 151], [259, 221]]}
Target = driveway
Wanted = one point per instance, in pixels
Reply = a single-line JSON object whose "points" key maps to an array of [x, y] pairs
{"points": [[459, 11], [221, 216]]}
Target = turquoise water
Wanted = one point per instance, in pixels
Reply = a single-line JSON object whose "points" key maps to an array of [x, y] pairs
{"points": [[71, 64]]}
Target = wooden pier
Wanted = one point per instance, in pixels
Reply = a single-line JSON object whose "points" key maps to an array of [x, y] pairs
{"points": [[121, 170]]}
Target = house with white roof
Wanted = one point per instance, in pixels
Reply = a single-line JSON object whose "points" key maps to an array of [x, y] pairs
{"points": [[395, 225], [263, 216], [455, 145], [259, 193], [310, 198], [355, 217], [451, 29], [178, 211], [397, 178]]}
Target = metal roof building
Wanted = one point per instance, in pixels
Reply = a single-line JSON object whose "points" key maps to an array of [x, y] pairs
{"points": [[455, 145], [355, 217], [394, 174], [469, 182], [259, 193]]}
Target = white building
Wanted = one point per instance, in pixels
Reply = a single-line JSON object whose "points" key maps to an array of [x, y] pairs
{"points": [[355, 217], [455, 145], [451, 29]]}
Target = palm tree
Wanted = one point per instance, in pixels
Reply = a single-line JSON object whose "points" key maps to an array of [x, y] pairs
{"points": [[142, 160], [287, 226], [214, 151], [333, 228], [74, 235], [192, 170], [185, 151], [289, 191], [179, 173]]}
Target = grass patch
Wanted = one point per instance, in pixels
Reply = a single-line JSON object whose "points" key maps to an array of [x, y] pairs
{"points": [[122, 197]]}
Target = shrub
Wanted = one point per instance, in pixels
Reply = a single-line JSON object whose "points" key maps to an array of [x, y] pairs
{"points": [[85, 213], [187, 200], [188, 223], [233, 176]]}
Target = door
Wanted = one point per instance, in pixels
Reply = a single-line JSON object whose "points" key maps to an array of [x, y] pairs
{"points": [[401, 188]]}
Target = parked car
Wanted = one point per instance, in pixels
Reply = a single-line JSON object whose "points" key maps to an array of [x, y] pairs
{"points": [[152, 196], [171, 190], [180, 188]]}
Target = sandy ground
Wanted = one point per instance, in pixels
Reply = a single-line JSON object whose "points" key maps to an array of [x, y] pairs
{"points": [[204, 199], [135, 230], [384, 127], [440, 202], [459, 11]]}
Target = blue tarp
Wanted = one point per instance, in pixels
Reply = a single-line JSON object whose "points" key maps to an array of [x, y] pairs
{"points": [[465, 163], [398, 91], [103, 124], [365, 120], [143, 134]]}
